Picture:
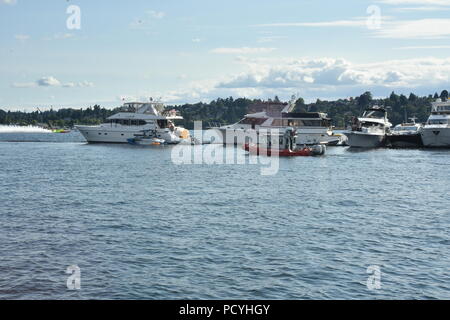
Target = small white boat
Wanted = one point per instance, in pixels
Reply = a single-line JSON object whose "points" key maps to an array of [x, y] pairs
{"points": [[406, 135], [146, 141], [369, 131]]}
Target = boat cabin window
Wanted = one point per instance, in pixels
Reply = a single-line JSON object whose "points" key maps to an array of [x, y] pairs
{"points": [[438, 121], [300, 123], [127, 122], [443, 109], [163, 124]]}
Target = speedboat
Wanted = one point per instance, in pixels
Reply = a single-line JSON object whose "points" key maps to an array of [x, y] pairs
{"points": [[286, 147], [406, 135], [61, 130], [436, 132], [312, 127], [132, 120], [147, 138], [369, 131]]}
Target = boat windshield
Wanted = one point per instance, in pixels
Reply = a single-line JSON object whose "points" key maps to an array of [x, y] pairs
{"points": [[372, 124], [252, 121], [376, 114]]}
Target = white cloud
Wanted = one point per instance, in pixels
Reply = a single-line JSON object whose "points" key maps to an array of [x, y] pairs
{"points": [[63, 36], [317, 78], [22, 37], [156, 14], [432, 28], [9, 2], [417, 2], [51, 82], [316, 75], [24, 84], [48, 82], [415, 29], [430, 8], [59, 36], [242, 50], [337, 23], [267, 39], [423, 47], [83, 84]]}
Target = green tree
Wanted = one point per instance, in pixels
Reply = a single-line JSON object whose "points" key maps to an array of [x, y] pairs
{"points": [[300, 105], [365, 99]]}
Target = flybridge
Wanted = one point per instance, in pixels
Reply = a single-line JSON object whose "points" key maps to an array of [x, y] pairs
{"points": [[441, 106]]}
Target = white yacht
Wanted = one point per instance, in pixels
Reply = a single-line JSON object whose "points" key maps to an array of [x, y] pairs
{"points": [[369, 131], [312, 127], [436, 132], [133, 119], [406, 135]]}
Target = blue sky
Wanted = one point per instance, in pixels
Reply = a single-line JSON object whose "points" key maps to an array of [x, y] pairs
{"points": [[198, 50]]}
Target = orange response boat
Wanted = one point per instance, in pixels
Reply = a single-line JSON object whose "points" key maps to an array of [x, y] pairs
{"points": [[304, 152], [287, 147]]}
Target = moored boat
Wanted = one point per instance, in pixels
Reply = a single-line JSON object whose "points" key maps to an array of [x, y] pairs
{"points": [[312, 127], [406, 135], [286, 146], [146, 141], [301, 152], [436, 132], [369, 131], [132, 120]]}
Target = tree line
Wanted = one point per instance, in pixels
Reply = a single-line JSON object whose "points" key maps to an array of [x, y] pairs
{"points": [[229, 110]]}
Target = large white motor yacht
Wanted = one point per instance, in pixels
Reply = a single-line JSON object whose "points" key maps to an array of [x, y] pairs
{"points": [[312, 127], [369, 131], [436, 132], [134, 119]]}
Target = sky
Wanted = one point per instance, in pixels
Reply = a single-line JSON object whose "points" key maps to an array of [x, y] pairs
{"points": [[77, 53]]}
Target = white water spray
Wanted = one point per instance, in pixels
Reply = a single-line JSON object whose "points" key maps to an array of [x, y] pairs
{"points": [[21, 129]]}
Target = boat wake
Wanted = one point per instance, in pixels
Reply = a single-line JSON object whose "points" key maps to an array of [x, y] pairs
{"points": [[22, 129]]}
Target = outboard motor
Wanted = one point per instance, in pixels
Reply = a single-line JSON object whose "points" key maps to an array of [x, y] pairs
{"points": [[318, 150]]}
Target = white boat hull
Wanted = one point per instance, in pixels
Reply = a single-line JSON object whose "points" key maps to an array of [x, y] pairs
{"points": [[99, 134], [364, 140], [436, 137]]}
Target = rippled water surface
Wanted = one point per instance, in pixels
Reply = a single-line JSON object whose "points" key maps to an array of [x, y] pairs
{"points": [[140, 227]]}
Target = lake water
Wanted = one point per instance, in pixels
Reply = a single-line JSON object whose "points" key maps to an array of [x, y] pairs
{"points": [[140, 227]]}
